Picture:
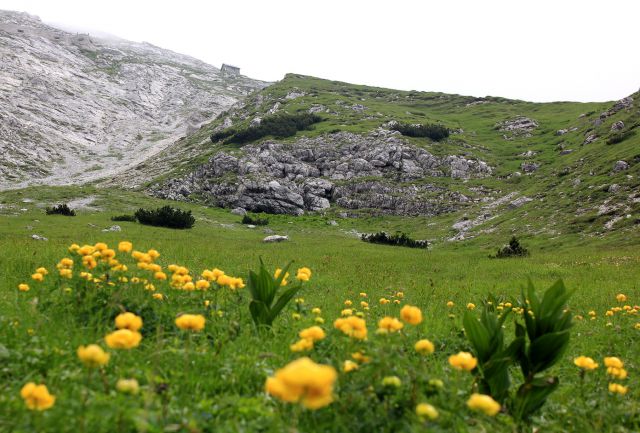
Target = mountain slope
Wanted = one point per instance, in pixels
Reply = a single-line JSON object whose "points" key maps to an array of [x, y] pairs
{"points": [[75, 108], [559, 166]]}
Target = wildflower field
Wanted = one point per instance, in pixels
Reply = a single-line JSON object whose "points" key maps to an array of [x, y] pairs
{"points": [[159, 330]]}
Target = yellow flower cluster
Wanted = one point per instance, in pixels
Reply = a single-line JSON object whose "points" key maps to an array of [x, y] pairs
{"points": [[303, 381], [411, 315], [127, 335], [389, 325], [191, 322], [303, 274], [352, 326], [93, 355], [463, 361], [128, 321], [426, 411], [308, 337], [483, 403], [128, 386], [424, 347], [585, 363], [37, 397]]}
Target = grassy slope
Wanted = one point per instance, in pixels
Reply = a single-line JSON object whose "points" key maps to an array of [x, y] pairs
{"points": [[560, 205], [226, 389]]}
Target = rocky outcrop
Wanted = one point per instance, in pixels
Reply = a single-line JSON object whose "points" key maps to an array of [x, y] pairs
{"points": [[519, 127], [374, 171], [75, 108]]}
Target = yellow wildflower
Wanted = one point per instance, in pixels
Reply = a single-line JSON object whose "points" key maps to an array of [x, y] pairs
{"points": [[128, 321], [463, 361], [391, 381], [349, 366], [123, 339], [125, 247], [483, 403], [23, 287], [92, 355], [424, 347], [585, 363], [352, 326], [426, 411], [303, 274], [313, 333], [303, 381], [37, 397], [389, 324], [616, 388], [302, 345], [411, 315], [128, 386], [191, 322]]}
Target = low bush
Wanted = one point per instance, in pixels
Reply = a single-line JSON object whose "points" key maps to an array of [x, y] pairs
{"points": [[129, 218], [61, 209], [398, 239], [279, 126], [254, 220], [512, 249], [166, 217], [432, 131]]}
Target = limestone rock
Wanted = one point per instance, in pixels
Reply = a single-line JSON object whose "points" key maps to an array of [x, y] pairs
{"points": [[275, 238], [620, 166]]}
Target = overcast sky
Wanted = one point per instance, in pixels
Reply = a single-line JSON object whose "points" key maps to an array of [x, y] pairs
{"points": [[536, 50]]}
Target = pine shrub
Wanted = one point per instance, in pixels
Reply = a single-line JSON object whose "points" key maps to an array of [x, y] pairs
{"points": [[166, 216]]}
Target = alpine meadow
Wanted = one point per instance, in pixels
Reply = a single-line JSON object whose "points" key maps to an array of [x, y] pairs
{"points": [[187, 249]]}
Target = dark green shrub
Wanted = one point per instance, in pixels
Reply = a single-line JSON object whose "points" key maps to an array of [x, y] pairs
{"points": [[279, 126], [166, 217], [512, 249], [254, 220], [398, 239], [432, 131], [61, 209], [129, 218]]}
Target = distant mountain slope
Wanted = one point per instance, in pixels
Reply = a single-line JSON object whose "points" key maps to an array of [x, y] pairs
{"points": [[75, 108], [558, 166]]}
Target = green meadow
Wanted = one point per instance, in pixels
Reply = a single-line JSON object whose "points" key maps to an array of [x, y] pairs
{"points": [[214, 380]]}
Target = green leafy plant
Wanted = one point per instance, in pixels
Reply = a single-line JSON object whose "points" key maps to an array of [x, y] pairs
{"points": [[538, 344], [264, 288]]}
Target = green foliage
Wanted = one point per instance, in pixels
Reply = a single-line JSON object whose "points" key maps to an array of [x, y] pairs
{"points": [[279, 126], [512, 249], [619, 137], [254, 220], [264, 288], [61, 209], [124, 217], [536, 347], [433, 131], [166, 216], [399, 239]]}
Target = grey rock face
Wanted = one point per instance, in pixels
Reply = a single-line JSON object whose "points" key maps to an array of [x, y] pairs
{"points": [[620, 166], [354, 171], [617, 126], [68, 98], [529, 167], [519, 127], [590, 138], [239, 211]]}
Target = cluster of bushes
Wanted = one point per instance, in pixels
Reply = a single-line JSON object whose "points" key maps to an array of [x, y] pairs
{"points": [[61, 209], [254, 220], [512, 249], [128, 218], [166, 216], [430, 130], [279, 126], [398, 239]]}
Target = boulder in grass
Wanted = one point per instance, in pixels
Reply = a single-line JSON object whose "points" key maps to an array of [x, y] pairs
{"points": [[38, 238], [275, 238]]}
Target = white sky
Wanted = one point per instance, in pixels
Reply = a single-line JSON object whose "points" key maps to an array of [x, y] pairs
{"points": [[539, 50]]}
